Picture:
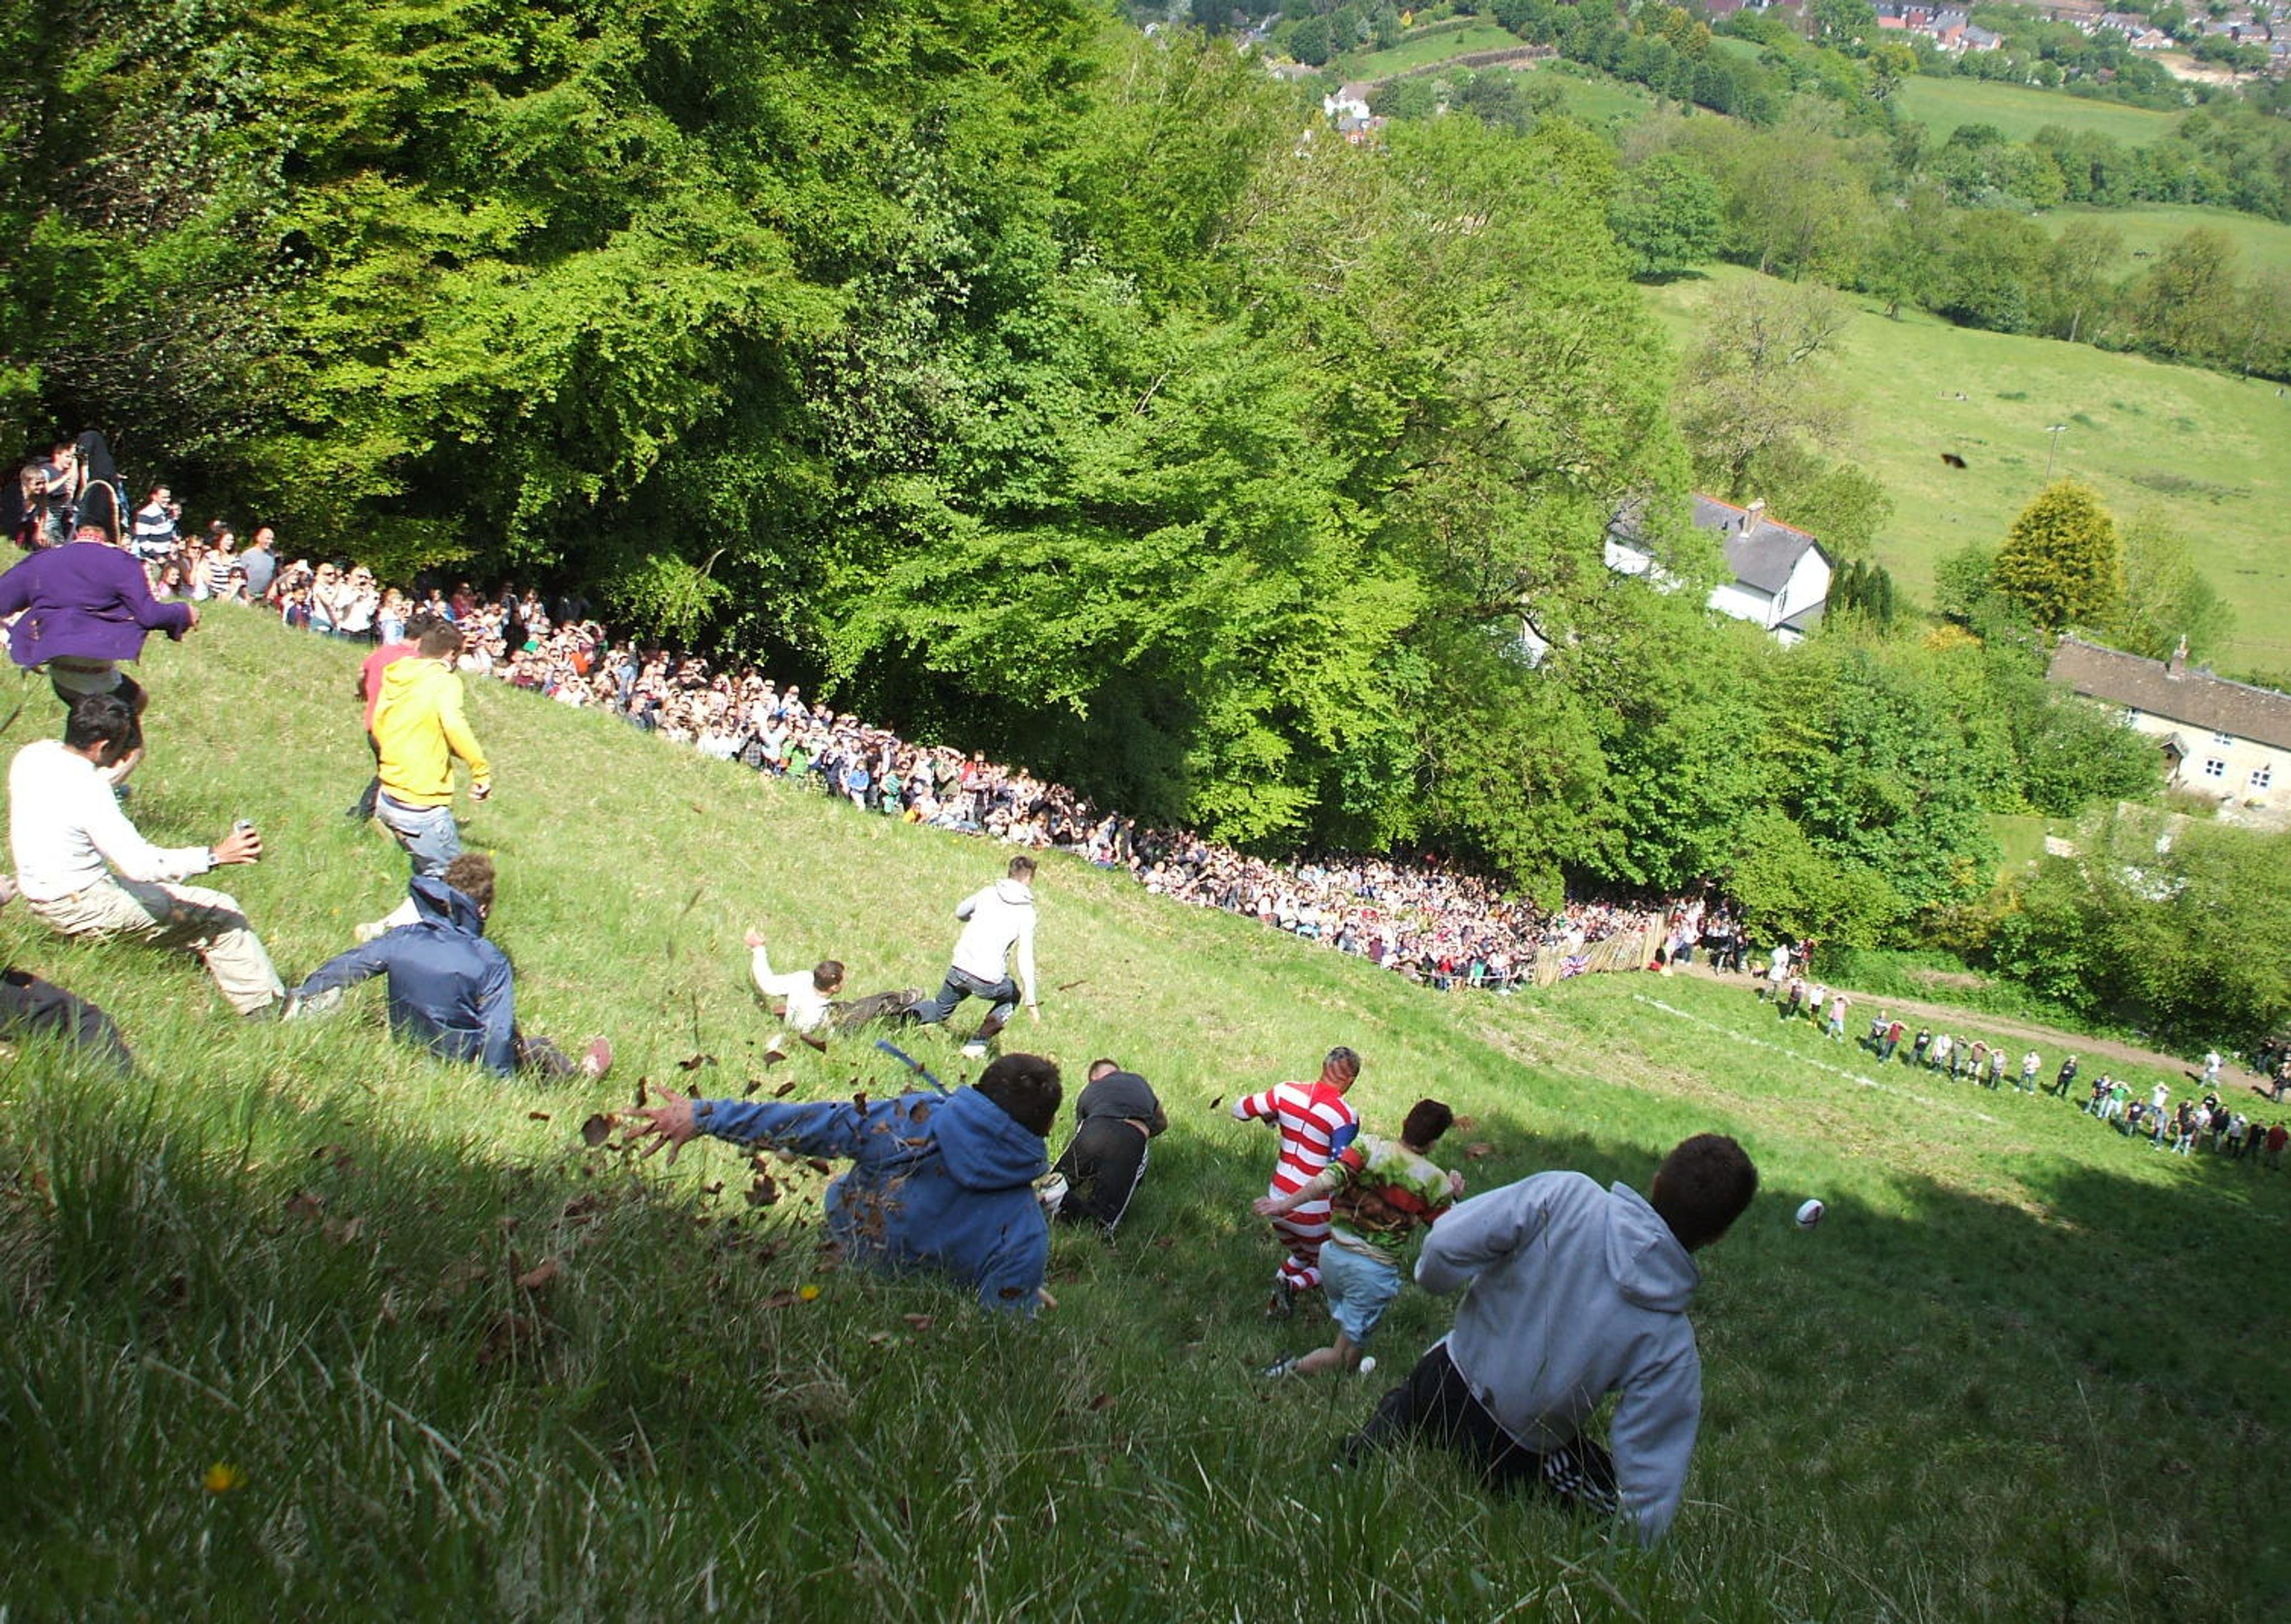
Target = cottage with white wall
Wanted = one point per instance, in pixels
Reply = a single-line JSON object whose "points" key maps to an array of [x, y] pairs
{"points": [[2228, 740]]}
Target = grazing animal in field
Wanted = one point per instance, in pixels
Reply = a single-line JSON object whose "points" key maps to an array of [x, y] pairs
{"points": [[1952, 459]]}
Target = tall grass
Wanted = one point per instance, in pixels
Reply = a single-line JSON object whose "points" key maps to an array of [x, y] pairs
{"points": [[270, 1353]]}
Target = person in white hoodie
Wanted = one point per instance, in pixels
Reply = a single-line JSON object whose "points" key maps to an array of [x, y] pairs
{"points": [[1574, 1292], [995, 921]]}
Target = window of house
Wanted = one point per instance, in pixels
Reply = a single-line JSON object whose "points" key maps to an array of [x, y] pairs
{"points": [[2223, 739], [2262, 776], [2214, 767]]}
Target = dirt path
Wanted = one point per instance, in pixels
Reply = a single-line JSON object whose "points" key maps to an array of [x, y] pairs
{"points": [[2050, 1041]]}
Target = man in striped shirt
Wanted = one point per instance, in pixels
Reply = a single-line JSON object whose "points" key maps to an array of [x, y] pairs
{"points": [[1315, 1125], [1382, 1192]]}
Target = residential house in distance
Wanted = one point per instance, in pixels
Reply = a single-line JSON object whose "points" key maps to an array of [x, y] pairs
{"points": [[2227, 740], [1781, 574]]}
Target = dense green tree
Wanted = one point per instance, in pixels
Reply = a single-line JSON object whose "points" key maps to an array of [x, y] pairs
{"points": [[1759, 380], [1666, 216], [2062, 561], [2184, 305], [2166, 596]]}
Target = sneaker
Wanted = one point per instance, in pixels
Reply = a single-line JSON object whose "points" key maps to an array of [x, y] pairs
{"points": [[976, 1050], [597, 1060], [1279, 1368]]}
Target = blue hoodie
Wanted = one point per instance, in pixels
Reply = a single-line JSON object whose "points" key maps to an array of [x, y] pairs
{"points": [[449, 987], [939, 1180]]}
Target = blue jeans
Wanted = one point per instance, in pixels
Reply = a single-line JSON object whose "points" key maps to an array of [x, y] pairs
{"points": [[960, 983], [430, 836]]}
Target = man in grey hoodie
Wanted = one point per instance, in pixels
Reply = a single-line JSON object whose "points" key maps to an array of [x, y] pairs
{"points": [[994, 920], [1574, 1292]]}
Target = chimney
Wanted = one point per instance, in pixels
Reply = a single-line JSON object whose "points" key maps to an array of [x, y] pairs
{"points": [[1755, 511], [2177, 665]]}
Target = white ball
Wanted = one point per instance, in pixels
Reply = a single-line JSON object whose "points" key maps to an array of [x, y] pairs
{"points": [[1809, 1214], [1367, 1363]]}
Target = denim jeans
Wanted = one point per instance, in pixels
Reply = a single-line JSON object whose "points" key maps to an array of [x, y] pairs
{"points": [[430, 836], [960, 983]]}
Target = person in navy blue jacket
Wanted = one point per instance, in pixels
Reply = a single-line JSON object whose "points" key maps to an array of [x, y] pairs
{"points": [[937, 1180], [449, 987]]}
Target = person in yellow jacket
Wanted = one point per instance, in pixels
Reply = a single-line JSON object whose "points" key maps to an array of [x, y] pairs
{"points": [[420, 729]]}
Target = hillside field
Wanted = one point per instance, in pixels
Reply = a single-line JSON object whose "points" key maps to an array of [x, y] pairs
{"points": [[307, 1323], [2019, 111], [1421, 52], [2204, 450], [2261, 246]]}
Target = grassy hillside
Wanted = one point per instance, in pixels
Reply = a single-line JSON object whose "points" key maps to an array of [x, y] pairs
{"points": [[1426, 49], [2203, 449], [2020, 111], [2261, 244], [270, 1355]]}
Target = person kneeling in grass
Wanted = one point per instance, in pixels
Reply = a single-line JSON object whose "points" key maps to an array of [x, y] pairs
{"points": [[449, 987], [1379, 1194], [1574, 1292], [937, 1180]]}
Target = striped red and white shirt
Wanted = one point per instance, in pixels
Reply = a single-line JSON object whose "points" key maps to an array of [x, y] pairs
{"points": [[1315, 1126]]}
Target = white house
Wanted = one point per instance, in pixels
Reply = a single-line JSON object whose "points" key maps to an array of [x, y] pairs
{"points": [[2228, 740], [1781, 574]]}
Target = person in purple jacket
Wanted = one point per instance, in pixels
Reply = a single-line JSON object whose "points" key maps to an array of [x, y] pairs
{"points": [[82, 609]]}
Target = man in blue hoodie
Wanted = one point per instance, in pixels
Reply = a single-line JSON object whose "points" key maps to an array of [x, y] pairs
{"points": [[1573, 1292], [937, 1180], [449, 987]]}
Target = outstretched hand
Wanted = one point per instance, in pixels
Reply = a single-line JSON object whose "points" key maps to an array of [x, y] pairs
{"points": [[671, 1122], [1273, 1206], [754, 938]]}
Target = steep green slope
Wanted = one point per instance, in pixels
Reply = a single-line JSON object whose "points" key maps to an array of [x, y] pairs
{"points": [[2016, 1373]]}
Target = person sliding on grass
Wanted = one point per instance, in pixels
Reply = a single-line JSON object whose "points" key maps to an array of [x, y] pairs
{"points": [[996, 920], [1106, 1163], [1574, 1292], [937, 1180], [449, 987], [1381, 1194], [809, 1006], [1315, 1125]]}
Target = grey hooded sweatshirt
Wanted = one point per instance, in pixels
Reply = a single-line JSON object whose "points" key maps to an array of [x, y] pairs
{"points": [[1577, 1293]]}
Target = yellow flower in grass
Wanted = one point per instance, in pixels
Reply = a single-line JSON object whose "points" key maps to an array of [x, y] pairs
{"points": [[221, 1478], [809, 1294]]}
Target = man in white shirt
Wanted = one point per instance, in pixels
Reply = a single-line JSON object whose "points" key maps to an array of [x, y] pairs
{"points": [[995, 921], [85, 872], [809, 996]]}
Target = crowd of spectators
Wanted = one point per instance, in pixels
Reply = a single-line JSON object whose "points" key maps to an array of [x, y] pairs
{"points": [[1424, 919]]}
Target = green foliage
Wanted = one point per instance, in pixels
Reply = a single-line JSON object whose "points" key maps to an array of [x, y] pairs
{"points": [[2175, 924], [2165, 597], [1759, 382], [1788, 886], [2060, 561], [1666, 216]]}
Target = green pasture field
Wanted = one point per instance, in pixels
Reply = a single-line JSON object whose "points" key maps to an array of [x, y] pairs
{"points": [[2261, 244], [1598, 99], [306, 1324], [2202, 449], [1431, 48], [2020, 111]]}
